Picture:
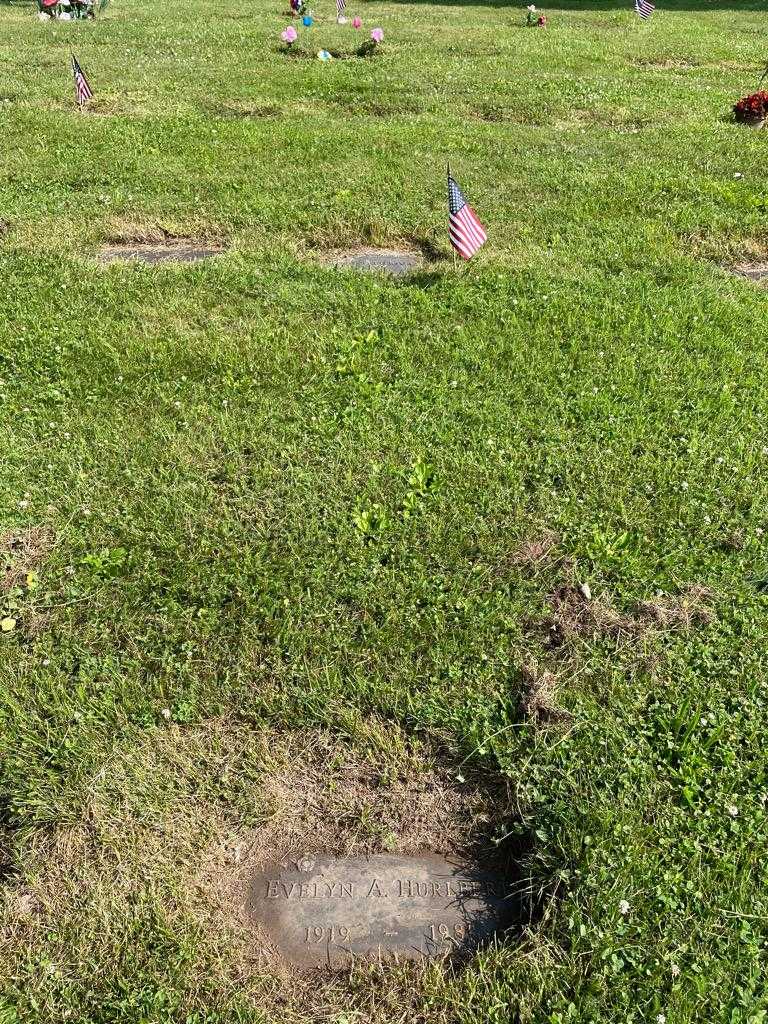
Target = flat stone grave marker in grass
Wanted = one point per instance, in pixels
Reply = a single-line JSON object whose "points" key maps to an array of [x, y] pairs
{"points": [[174, 251], [325, 909], [389, 261], [757, 272]]}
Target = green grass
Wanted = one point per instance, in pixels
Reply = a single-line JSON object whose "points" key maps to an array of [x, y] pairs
{"points": [[281, 497]]}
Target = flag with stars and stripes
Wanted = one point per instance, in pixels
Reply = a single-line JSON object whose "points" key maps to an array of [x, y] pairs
{"points": [[644, 8], [83, 91], [340, 5], [466, 232]]}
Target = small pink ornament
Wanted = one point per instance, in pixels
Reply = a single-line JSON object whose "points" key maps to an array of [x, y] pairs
{"points": [[357, 23], [290, 35], [377, 34]]}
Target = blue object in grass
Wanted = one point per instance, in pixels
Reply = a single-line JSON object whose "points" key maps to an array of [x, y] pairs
{"points": [[306, 21]]}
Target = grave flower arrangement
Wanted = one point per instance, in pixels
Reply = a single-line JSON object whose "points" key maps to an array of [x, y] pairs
{"points": [[752, 109], [534, 19], [289, 36], [67, 10], [369, 47]]}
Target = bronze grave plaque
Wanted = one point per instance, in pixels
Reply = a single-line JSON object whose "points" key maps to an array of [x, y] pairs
{"points": [[324, 909]]}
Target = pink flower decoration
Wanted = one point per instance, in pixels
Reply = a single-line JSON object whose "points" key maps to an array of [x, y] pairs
{"points": [[290, 35], [357, 22], [377, 35]]}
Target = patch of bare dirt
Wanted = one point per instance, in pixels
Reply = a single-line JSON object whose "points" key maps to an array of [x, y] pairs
{"points": [[666, 63], [535, 550], [734, 540], [247, 111], [576, 614], [540, 703], [21, 552], [679, 611]]}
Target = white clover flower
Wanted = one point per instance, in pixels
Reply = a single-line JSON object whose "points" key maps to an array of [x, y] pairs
{"points": [[623, 908], [733, 810], [684, 485], [661, 1019], [675, 971], [166, 713]]}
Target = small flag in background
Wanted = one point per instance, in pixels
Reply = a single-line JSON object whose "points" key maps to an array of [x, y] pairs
{"points": [[340, 5], [644, 8], [466, 232], [83, 91]]}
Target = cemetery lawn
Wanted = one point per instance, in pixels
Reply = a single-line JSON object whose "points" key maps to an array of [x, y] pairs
{"points": [[258, 512]]}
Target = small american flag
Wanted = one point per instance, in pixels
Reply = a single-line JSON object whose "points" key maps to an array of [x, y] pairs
{"points": [[644, 8], [83, 91], [340, 5], [466, 232]]}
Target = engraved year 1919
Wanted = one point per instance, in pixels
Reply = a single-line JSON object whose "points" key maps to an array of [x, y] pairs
{"points": [[330, 934]]}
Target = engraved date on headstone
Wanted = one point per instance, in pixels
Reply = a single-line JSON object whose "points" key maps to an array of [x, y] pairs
{"points": [[320, 909]]}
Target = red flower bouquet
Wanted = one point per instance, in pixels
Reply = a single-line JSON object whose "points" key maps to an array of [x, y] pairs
{"points": [[752, 109]]}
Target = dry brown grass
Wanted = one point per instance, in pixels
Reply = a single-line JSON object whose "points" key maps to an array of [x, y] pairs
{"points": [[21, 552], [540, 696], [575, 615], [131, 231], [180, 819], [535, 550]]}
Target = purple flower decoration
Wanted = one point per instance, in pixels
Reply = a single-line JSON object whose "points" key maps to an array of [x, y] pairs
{"points": [[290, 35], [377, 34]]}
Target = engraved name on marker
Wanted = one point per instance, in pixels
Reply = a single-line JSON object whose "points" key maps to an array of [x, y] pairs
{"points": [[321, 909]]}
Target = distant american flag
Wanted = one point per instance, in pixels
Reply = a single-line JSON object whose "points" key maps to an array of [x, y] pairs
{"points": [[83, 91], [466, 232], [644, 8], [340, 5]]}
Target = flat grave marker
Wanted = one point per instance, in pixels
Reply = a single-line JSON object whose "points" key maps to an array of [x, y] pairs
{"points": [[757, 272], [158, 252], [389, 261], [325, 909]]}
